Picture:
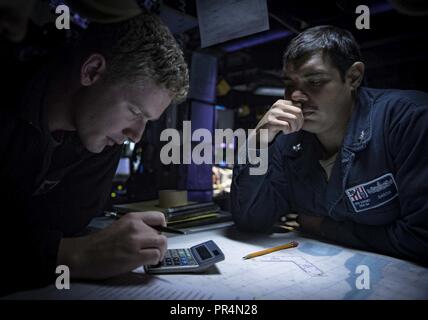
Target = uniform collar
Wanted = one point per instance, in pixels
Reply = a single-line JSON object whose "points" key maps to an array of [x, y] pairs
{"points": [[304, 148], [358, 133], [302, 142]]}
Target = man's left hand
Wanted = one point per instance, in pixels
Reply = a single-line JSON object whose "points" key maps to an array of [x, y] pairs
{"points": [[304, 222]]}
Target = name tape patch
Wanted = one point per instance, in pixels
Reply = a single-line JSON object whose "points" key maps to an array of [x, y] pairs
{"points": [[373, 194]]}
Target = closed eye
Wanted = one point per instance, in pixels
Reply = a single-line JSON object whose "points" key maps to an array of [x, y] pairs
{"points": [[136, 112], [317, 82]]}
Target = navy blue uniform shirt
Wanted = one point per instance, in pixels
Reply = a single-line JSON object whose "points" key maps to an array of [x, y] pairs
{"points": [[50, 187], [377, 195]]}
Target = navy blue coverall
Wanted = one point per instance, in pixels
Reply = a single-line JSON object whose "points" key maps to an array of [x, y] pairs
{"points": [[377, 196]]}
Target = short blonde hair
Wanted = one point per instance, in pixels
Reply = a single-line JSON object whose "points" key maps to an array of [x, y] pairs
{"points": [[141, 48]]}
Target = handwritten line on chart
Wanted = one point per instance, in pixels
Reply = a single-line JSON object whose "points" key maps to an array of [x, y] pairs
{"points": [[301, 262]]}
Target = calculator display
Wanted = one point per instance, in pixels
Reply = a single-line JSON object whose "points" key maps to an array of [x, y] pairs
{"points": [[203, 252]]}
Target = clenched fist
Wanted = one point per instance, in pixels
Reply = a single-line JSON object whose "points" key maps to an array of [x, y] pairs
{"points": [[285, 116]]}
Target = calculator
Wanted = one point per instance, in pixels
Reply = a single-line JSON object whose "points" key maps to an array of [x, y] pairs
{"points": [[194, 259]]}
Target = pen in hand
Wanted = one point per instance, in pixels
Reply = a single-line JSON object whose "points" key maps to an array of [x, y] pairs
{"points": [[168, 229], [160, 228], [291, 244]]}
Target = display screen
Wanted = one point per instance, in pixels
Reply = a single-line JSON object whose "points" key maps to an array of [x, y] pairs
{"points": [[203, 252]]}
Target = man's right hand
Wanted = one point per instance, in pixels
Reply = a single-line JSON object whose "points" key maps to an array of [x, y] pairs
{"points": [[123, 246], [285, 116]]}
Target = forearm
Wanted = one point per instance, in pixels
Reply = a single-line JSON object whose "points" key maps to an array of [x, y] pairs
{"points": [[259, 200], [396, 239], [253, 206]]}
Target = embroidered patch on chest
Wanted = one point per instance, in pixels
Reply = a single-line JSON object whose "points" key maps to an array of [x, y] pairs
{"points": [[372, 194]]}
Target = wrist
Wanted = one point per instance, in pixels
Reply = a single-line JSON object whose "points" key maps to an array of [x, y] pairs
{"points": [[261, 138], [70, 253], [310, 224]]}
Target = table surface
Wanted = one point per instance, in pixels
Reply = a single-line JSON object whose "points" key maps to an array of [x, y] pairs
{"points": [[312, 270]]}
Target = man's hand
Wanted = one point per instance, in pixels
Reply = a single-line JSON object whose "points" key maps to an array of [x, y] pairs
{"points": [[125, 245], [282, 116], [304, 222]]}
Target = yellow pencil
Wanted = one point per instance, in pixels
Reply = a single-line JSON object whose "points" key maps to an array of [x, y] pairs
{"points": [[291, 244]]}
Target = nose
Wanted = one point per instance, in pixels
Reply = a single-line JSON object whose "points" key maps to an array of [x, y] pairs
{"points": [[298, 96], [135, 132]]}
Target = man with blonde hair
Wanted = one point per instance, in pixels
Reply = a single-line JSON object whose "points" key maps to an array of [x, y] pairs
{"points": [[61, 142]]}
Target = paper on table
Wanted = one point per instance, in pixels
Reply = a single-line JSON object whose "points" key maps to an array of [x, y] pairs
{"points": [[313, 270], [131, 286]]}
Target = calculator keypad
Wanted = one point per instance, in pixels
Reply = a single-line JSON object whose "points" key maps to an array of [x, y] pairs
{"points": [[178, 257]]}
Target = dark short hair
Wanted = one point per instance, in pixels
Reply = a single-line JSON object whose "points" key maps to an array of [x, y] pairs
{"points": [[339, 44]]}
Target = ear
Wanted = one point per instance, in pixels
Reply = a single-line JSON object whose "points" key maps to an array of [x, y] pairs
{"points": [[92, 69], [355, 74]]}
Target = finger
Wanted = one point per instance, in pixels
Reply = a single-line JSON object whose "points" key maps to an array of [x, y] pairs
{"points": [[276, 125], [287, 228], [273, 127], [284, 102], [150, 256], [291, 216], [297, 112], [280, 102], [293, 224], [287, 106], [292, 119], [287, 109], [156, 241], [299, 119], [297, 104]]}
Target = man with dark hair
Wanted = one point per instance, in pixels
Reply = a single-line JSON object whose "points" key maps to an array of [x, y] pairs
{"points": [[350, 162], [61, 143]]}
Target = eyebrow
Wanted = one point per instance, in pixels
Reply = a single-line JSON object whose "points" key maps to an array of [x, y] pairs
{"points": [[309, 74], [315, 73]]}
